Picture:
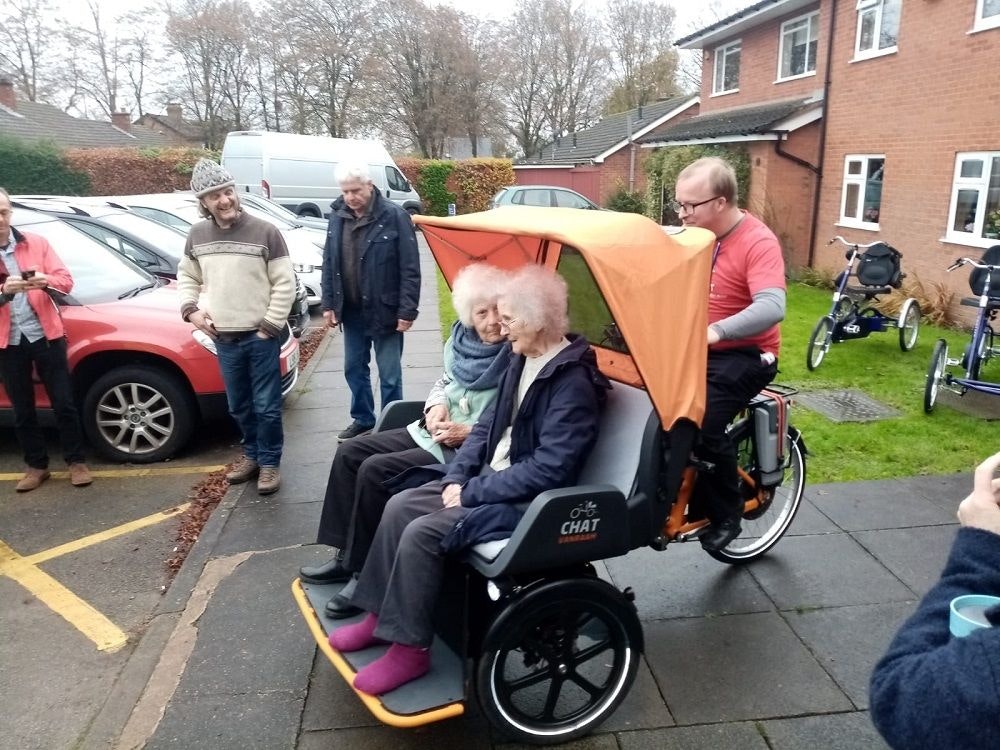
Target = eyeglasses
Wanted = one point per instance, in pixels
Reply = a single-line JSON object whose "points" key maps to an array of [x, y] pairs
{"points": [[688, 208], [508, 323]]}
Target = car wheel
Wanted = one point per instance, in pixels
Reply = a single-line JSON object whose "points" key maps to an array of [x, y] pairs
{"points": [[138, 414]]}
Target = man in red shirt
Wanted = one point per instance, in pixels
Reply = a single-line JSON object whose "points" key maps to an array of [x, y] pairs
{"points": [[746, 304]]}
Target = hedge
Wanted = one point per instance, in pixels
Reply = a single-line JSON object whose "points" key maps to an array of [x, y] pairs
{"points": [[665, 164], [39, 168], [469, 183], [131, 171]]}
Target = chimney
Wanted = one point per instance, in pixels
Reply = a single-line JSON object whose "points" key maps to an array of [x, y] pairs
{"points": [[122, 121], [174, 111], [8, 95]]}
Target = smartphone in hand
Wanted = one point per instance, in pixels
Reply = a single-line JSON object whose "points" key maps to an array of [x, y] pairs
{"points": [[29, 274]]}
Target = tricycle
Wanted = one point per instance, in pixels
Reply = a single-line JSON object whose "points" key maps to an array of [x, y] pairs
{"points": [[525, 624]]}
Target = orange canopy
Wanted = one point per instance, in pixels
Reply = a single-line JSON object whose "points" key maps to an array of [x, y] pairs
{"points": [[654, 285]]}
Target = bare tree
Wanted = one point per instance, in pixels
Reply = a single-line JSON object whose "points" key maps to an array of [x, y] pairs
{"points": [[140, 42], [26, 32], [478, 89], [577, 69], [94, 54], [641, 34], [525, 73]]}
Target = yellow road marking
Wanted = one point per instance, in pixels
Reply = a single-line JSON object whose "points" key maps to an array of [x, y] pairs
{"points": [[105, 634], [98, 628], [115, 473], [103, 536]]}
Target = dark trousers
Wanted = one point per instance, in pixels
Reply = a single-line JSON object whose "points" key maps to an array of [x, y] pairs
{"points": [[355, 493], [49, 359], [734, 377], [357, 357], [402, 577]]}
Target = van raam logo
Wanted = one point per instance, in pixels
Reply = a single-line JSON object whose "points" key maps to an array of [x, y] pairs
{"points": [[582, 524]]}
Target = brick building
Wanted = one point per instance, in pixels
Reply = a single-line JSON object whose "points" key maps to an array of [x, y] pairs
{"points": [[889, 109], [598, 160], [173, 127]]}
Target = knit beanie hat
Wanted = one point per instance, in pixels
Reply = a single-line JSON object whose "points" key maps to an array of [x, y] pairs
{"points": [[208, 176]]}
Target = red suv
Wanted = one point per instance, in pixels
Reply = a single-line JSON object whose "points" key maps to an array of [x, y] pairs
{"points": [[144, 378]]}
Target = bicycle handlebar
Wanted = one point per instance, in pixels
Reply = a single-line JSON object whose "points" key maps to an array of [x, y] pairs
{"points": [[852, 244], [959, 262]]}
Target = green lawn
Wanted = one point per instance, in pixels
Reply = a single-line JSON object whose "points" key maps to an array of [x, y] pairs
{"points": [[914, 443]]}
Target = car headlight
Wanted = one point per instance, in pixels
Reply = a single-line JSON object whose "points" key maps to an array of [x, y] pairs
{"points": [[303, 268], [205, 340]]}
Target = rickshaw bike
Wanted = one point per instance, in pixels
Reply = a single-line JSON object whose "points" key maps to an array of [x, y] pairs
{"points": [[525, 623]]}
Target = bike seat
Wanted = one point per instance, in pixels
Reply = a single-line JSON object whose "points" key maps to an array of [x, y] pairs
{"points": [[559, 526], [993, 303]]}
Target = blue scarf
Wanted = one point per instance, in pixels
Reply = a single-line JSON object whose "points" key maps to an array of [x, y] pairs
{"points": [[478, 365]]}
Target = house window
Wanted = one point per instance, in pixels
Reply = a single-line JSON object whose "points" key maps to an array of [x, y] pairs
{"points": [[727, 69], [974, 215], [861, 201], [797, 56], [878, 27], [987, 14]]}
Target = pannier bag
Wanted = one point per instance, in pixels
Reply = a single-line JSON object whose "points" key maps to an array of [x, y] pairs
{"points": [[977, 279], [879, 265]]}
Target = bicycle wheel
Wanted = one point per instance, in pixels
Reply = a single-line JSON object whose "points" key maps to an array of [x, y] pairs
{"points": [[762, 527], [935, 374], [973, 363], [909, 324], [559, 661], [819, 342]]}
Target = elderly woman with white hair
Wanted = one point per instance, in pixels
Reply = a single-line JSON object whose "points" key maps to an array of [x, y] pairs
{"points": [[536, 437], [475, 356]]}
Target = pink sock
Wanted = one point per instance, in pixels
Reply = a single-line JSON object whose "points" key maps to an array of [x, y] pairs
{"points": [[399, 665], [356, 637]]}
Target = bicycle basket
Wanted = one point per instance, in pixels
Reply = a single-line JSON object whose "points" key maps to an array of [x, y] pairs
{"points": [[977, 279], [879, 265]]}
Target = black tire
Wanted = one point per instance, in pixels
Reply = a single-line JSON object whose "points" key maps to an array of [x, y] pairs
{"points": [[559, 660], [138, 414], [909, 324], [819, 342], [974, 363], [935, 374], [765, 525]]}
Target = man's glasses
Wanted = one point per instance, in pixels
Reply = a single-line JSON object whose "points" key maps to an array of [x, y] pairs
{"points": [[688, 208], [508, 323]]}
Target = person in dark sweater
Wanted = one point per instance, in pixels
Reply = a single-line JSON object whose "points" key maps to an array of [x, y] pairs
{"points": [[931, 690], [535, 437]]}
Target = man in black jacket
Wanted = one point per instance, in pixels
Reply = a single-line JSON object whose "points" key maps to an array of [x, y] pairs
{"points": [[371, 286]]}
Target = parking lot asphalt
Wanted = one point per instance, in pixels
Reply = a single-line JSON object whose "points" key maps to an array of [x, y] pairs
{"points": [[772, 655]]}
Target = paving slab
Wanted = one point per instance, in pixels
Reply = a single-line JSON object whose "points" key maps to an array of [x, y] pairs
{"points": [[643, 707], [882, 504], [592, 742], [445, 735], [331, 704], [852, 731], [947, 491], [683, 581], [848, 641], [825, 571], [915, 556], [810, 520], [230, 722], [736, 668], [268, 527], [739, 736]]}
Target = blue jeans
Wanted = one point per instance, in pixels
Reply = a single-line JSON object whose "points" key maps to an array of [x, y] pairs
{"points": [[357, 355], [252, 374]]}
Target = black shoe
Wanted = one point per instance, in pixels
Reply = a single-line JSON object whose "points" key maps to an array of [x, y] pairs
{"points": [[330, 572], [339, 607], [354, 430], [718, 536]]}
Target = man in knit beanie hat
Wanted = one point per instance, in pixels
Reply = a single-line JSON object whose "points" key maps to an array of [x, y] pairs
{"points": [[237, 285]]}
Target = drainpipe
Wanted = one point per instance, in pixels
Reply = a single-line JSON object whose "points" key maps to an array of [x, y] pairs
{"points": [[822, 134]]}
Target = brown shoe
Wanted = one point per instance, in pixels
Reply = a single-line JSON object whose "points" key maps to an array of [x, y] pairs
{"points": [[244, 469], [79, 474], [269, 480], [32, 479]]}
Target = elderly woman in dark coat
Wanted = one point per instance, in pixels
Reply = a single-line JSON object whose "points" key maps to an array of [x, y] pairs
{"points": [[475, 356], [535, 438]]}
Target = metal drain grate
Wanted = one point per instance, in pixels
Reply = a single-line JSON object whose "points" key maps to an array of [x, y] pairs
{"points": [[845, 406]]}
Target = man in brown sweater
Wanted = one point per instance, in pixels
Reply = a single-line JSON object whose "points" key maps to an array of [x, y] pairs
{"points": [[237, 285]]}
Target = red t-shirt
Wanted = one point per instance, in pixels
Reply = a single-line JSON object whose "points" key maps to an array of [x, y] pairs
{"points": [[746, 261]]}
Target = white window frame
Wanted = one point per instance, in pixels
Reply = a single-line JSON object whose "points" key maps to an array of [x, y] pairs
{"points": [[812, 27], [864, 6], [722, 53], [982, 185], [983, 22], [860, 180]]}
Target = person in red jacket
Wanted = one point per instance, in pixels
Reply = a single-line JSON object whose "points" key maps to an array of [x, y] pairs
{"points": [[32, 335]]}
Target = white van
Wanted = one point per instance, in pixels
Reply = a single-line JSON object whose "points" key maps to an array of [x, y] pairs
{"points": [[297, 171]]}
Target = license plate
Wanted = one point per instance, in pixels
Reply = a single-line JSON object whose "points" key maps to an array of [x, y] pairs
{"points": [[293, 360]]}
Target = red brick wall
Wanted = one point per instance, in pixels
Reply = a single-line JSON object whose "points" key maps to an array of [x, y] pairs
{"points": [[759, 66], [938, 95]]}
